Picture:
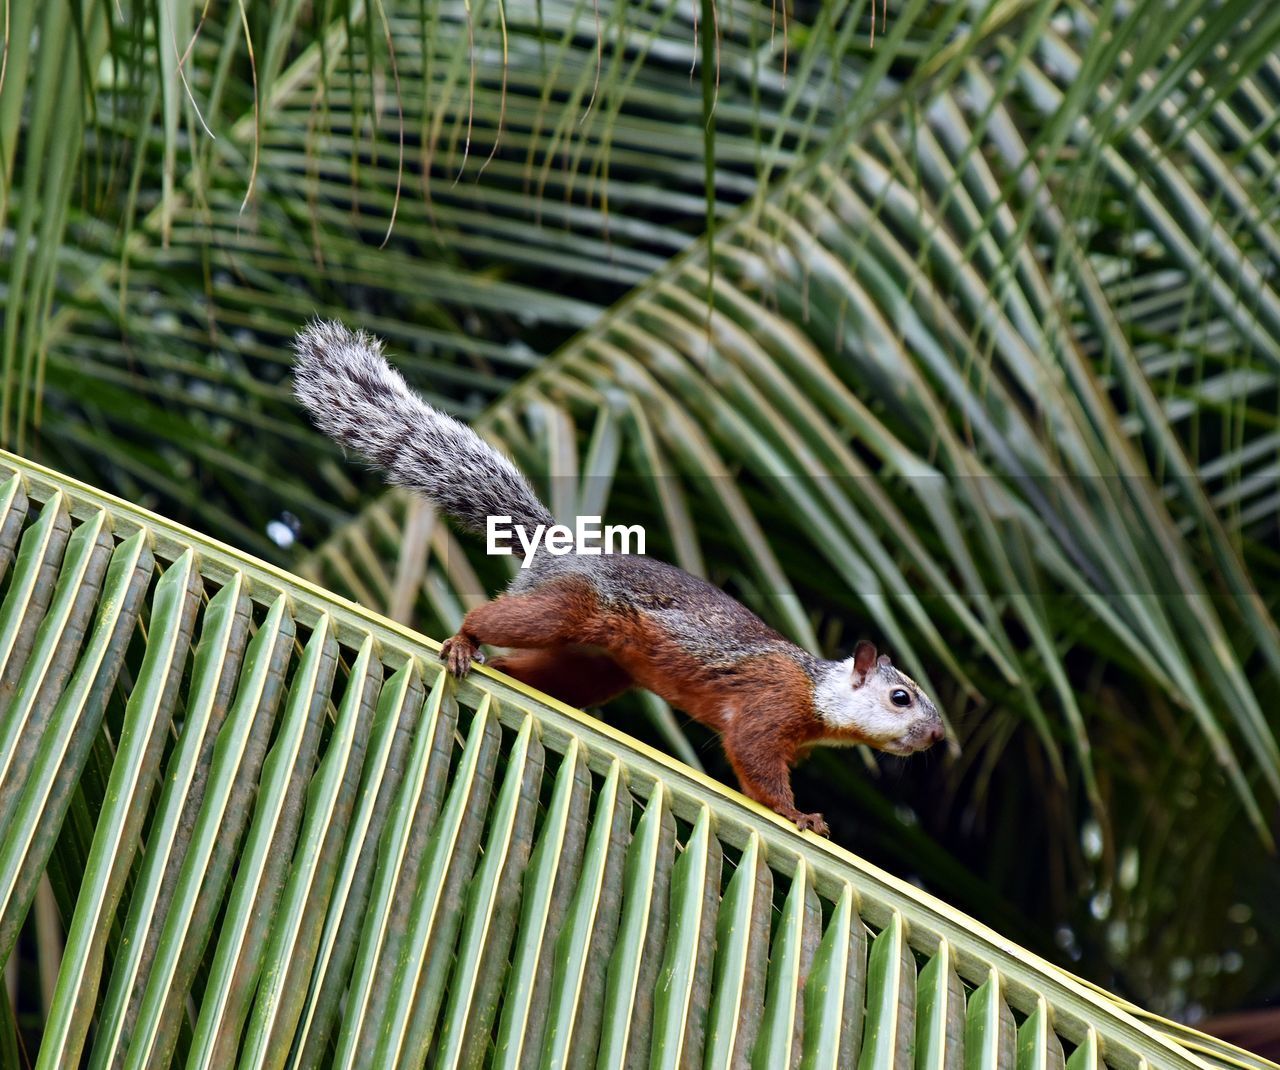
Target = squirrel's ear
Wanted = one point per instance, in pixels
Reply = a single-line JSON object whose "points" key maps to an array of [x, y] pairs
{"points": [[883, 659], [864, 657]]}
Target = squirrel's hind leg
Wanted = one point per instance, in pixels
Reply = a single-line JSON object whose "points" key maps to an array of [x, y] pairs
{"points": [[578, 678], [550, 616]]}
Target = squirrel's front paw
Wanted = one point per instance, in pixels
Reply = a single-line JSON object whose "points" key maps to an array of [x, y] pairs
{"points": [[811, 822], [458, 653]]}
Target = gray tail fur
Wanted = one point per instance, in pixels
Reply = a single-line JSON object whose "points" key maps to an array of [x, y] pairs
{"points": [[357, 398]]}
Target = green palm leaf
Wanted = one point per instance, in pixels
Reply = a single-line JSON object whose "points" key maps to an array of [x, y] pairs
{"points": [[894, 318], [1005, 268], [266, 736], [850, 302]]}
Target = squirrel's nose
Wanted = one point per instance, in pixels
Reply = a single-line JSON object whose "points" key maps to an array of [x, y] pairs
{"points": [[937, 733]]}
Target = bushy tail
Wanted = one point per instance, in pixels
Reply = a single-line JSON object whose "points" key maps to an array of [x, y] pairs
{"points": [[356, 397]]}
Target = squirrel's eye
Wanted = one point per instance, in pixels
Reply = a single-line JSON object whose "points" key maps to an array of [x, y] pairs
{"points": [[899, 697]]}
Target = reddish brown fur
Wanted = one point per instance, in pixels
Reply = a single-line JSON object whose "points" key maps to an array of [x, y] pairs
{"points": [[575, 676], [762, 706]]}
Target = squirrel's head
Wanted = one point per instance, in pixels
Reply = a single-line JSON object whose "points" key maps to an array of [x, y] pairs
{"points": [[866, 700]]}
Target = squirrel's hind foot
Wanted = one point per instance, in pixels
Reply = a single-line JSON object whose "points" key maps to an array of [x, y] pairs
{"points": [[458, 653], [810, 823]]}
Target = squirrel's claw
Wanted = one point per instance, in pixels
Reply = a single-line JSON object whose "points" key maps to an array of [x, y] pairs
{"points": [[811, 823], [457, 655]]}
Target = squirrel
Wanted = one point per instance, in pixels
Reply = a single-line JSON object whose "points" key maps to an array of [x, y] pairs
{"points": [[587, 628]]}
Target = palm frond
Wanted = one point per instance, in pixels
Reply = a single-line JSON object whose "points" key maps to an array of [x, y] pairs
{"points": [[1006, 272], [929, 367], [359, 794], [524, 186]]}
